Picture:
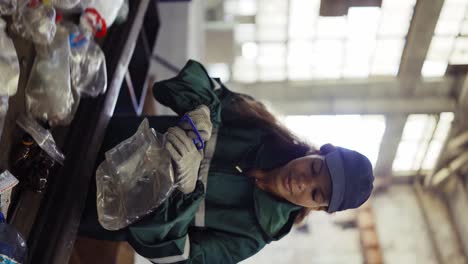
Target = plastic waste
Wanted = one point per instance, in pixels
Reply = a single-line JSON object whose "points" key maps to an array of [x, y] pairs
{"points": [[7, 7], [93, 23], [33, 159], [9, 65], [3, 112], [31, 164], [122, 15], [36, 22], [13, 247], [99, 15], [41, 136], [88, 65], [138, 169], [76, 102], [21, 5], [65, 4], [49, 96], [7, 182]]}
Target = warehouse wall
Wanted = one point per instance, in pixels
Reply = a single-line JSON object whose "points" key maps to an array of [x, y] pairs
{"points": [[181, 37]]}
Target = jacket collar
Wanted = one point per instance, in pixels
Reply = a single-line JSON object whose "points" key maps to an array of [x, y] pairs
{"points": [[275, 216]]}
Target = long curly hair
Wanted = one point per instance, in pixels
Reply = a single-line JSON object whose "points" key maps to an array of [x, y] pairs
{"points": [[254, 113]]}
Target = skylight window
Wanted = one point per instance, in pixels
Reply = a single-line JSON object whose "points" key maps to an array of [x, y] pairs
{"points": [[421, 143], [367, 41], [440, 135], [413, 145], [448, 45], [362, 133]]}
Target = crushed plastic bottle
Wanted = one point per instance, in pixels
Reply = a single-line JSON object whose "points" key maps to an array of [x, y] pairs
{"points": [[33, 159], [138, 169], [49, 96], [7, 182], [42, 137], [88, 64], [9, 65], [7, 7], [13, 248], [36, 22]]}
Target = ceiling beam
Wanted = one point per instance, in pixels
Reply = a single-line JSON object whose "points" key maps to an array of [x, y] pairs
{"points": [[384, 106], [389, 145], [360, 89], [421, 31], [354, 96]]}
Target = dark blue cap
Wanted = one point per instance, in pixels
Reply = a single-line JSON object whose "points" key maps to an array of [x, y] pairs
{"points": [[352, 179]]}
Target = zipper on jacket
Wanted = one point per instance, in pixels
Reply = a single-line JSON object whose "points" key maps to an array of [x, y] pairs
{"points": [[236, 170]]}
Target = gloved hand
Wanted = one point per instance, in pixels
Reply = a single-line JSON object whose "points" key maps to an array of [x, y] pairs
{"points": [[185, 157], [201, 119]]}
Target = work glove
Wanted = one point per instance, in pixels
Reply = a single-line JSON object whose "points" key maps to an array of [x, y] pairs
{"points": [[185, 158], [201, 119]]}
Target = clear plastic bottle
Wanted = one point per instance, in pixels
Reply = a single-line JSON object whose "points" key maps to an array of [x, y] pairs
{"points": [[39, 23], [7, 7], [13, 248], [9, 65], [65, 4]]}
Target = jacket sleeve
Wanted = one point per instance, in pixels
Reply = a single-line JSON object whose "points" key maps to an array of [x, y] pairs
{"points": [[189, 89], [165, 235], [211, 246]]}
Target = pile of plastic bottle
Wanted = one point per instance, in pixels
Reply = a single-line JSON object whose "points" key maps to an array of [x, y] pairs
{"points": [[68, 65]]}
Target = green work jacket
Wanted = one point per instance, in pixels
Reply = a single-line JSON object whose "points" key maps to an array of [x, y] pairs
{"points": [[227, 218]]}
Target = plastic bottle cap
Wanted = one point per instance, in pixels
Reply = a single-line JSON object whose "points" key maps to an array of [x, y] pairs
{"points": [[33, 3], [99, 24], [27, 142], [58, 18]]}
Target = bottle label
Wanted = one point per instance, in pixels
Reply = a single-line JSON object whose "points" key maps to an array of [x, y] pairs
{"points": [[6, 260], [7, 181]]}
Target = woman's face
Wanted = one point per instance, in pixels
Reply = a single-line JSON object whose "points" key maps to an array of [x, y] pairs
{"points": [[304, 181]]}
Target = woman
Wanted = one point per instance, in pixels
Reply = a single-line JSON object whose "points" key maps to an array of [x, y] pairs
{"points": [[252, 183]]}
